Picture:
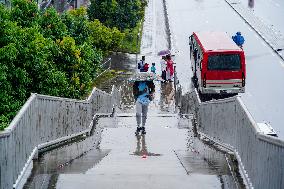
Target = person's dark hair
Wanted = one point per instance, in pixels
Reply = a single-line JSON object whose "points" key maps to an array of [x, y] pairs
{"points": [[168, 57], [143, 57], [153, 64]]}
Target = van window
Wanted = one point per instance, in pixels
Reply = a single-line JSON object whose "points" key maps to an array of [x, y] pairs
{"points": [[224, 62]]}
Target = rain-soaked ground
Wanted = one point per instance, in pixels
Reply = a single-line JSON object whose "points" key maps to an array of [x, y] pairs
{"points": [[170, 155], [271, 12]]}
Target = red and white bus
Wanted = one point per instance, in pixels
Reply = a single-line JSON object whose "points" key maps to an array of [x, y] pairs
{"points": [[218, 64]]}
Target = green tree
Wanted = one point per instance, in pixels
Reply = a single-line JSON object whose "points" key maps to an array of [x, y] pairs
{"points": [[122, 14], [52, 25], [24, 12], [77, 24], [103, 10], [104, 37], [128, 14], [50, 54]]}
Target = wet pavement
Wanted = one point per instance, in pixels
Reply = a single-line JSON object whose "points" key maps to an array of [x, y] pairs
{"points": [[168, 156], [271, 12]]}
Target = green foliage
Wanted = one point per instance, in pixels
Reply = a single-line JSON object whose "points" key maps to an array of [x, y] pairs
{"points": [[103, 10], [54, 54], [52, 25], [122, 14], [77, 24], [24, 12], [132, 40], [103, 36]]}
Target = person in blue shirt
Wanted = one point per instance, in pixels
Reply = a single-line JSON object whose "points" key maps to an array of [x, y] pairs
{"points": [[238, 39], [153, 68], [143, 95]]}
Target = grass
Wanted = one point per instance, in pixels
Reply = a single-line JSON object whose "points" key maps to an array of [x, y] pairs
{"points": [[108, 75]]}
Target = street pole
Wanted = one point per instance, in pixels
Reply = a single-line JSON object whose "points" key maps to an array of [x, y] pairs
{"points": [[137, 45]]}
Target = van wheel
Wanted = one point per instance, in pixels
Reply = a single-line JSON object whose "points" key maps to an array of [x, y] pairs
{"points": [[194, 81]]}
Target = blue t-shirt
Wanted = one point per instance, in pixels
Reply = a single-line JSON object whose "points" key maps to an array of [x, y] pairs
{"points": [[143, 98], [153, 69]]}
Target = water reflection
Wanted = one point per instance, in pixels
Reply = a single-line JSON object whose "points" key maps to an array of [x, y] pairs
{"points": [[141, 147], [73, 158], [167, 96], [217, 160]]}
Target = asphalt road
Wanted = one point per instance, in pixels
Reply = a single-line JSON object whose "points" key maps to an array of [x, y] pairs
{"points": [[270, 11], [265, 70]]}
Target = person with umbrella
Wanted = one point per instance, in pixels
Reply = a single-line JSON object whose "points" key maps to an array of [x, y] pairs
{"points": [[170, 68]]}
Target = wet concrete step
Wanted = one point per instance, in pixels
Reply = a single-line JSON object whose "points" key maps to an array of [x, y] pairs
{"points": [[155, 160]]}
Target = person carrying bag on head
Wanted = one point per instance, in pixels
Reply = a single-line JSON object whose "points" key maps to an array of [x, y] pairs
{"points": [[143, 93]]}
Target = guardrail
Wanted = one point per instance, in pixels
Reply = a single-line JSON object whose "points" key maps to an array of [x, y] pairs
{"points": [[228, 122], [43, 121], [105, 66]]}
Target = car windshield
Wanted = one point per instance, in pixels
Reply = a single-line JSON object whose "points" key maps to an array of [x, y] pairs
{"points": [[230, 62]]}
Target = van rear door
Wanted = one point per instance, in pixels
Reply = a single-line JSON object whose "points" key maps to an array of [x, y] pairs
{"points": [[224, 71]]}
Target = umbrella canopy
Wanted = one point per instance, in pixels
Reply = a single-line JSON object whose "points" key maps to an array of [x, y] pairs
{"points": [[164, 52]]}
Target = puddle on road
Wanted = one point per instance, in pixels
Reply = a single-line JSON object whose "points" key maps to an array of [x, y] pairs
{"points": [[49, 167], [141, 148]]}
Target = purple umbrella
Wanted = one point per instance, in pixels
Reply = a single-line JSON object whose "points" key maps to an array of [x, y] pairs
{"points": [[164, 52]]}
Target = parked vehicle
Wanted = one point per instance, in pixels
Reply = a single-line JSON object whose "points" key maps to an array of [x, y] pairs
{"points": [[218, 64]]}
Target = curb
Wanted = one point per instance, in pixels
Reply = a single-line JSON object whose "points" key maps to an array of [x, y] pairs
{"points": [[168, 26], [277, 50]]}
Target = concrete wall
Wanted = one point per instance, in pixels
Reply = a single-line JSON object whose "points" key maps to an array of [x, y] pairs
{"points": [[44, 120], [228, 122]]}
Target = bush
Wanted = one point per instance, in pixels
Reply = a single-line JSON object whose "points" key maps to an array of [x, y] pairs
{"points": [[51, 25], [122, 14], [51, 54], [77, 24], [107, 38], [24, 12]]}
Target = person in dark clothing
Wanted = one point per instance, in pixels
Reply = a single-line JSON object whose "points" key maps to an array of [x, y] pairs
{"points": [[141, 64], [163, 68]]}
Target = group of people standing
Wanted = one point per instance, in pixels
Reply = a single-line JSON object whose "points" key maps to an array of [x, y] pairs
{"points": [[167, 67]]}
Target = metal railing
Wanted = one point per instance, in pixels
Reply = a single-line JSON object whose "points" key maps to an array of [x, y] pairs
{"points": [[228, 123], [43, 121], [105, 67]]}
